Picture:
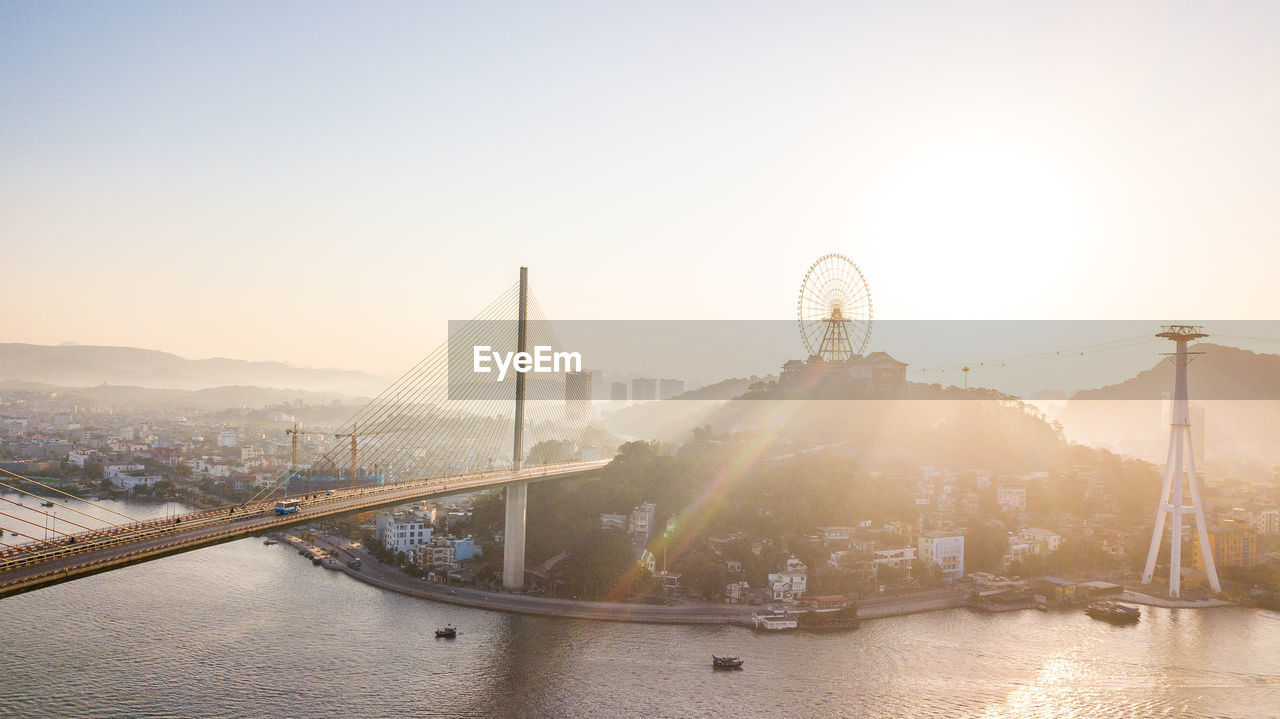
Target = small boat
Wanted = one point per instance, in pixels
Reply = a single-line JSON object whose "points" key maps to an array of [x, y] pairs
{"points": [[726, 662], [1114, 612], [448, 631], [46, 504]]}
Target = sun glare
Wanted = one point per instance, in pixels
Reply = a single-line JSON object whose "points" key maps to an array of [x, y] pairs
{"points": [[990, 200]]}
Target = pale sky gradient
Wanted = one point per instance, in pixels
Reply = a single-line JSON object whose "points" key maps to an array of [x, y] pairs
{"points": [[329, 183]]}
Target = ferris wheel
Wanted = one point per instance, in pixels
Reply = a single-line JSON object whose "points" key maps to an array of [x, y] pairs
{"points": [[834, 309]]}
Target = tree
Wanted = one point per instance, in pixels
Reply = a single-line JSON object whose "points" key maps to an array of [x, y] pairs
{"points": [[985, 546], [601, 565], [703, 573], [551, 451], [488, 512], [927, 572]]}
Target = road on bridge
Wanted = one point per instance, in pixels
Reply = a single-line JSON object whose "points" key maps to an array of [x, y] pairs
{"points": [[38, 565]]}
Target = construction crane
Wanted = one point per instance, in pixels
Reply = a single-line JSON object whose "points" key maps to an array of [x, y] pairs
{"points": [[355, 434], [293, 456]]}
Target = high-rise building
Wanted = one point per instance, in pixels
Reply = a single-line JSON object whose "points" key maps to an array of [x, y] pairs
{"points": [[644, 389], [577, 395], [669, 388], [618, 392], [1234, 544]]}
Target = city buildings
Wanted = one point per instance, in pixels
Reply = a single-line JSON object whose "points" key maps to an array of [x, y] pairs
{"points": [[875, 375], [1233, 543], [791, 583], [640, 523], [1011, 497], [402, 532], [644, 389], [946, 550], [577, 395], [669, 388]]}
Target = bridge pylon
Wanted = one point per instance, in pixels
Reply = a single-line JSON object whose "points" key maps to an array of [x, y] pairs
{"points": [[517, 492]]}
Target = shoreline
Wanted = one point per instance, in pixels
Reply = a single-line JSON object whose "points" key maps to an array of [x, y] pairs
{"points": [[378, 575], [1135, 597]]}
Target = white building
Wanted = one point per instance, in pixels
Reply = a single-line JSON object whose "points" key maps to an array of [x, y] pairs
{"points": [[227, 438], [613, 521], [402, 531], [836, 534], [1011, 497], [789, 584], [900, 557], [946, 550], [1267, 521], [1046, 540], [640, 523], [647, 561], [129, 481], [79, 456], [119, 470]]}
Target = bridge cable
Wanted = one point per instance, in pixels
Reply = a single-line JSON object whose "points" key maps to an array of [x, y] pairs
{"points": [[410, 384], [59, 491], [73, 509]]}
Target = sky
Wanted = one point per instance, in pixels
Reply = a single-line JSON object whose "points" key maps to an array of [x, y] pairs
{"points": [[329, 183]]}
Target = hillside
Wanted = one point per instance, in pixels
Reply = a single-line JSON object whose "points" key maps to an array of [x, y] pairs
{"points": [[86, 366], [1237, 390]]}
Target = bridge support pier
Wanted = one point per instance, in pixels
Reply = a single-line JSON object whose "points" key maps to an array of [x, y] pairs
{"points": [[518, 493], [513, 536]]}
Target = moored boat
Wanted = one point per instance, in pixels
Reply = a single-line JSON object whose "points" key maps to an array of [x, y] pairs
{"points": [[726, 662], [448, 631], [1115, 612], [774, 620]]}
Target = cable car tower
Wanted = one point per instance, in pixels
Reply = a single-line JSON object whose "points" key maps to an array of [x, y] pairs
{"points": [[1171, 501]]}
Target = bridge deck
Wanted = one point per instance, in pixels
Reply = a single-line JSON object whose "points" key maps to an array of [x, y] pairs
{"points": [[37, 565]]}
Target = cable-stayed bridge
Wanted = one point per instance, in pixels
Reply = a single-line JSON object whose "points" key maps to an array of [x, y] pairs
{"points": [[433, 432]]}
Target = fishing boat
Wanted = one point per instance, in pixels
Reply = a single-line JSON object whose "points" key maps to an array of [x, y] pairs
{"points": [[448, 631], [1114, 612], [726, 662]]}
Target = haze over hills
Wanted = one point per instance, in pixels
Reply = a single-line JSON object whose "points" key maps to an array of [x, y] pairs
{"points": [[1218, 373], [1235, 396], [71, 365], [1237, 390]]}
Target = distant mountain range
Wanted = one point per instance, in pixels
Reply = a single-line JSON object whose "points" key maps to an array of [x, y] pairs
{"points": [[1235, 395], [72, 365], [1217, 372]]}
